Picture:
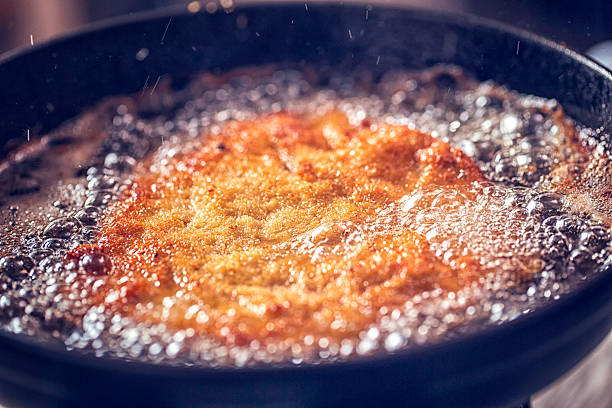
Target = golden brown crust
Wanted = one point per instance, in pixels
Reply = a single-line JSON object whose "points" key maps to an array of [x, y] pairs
{"points": [[587, 186], [585, 179], [262, 233]]}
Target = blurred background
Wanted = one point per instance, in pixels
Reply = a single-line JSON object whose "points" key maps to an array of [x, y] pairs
{"points": [[579, 24], [583, 25]]}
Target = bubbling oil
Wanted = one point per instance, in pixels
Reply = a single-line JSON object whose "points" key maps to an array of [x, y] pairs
{"points": [[515, 221]]}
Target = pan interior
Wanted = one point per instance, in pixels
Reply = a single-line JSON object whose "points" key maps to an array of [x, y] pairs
{"points": [[58, 191]]}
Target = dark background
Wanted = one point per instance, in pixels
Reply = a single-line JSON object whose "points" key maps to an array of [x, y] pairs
{"points": [[579, 24]]}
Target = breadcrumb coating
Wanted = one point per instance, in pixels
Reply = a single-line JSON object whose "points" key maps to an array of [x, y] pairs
{"points": [[260, 234]]}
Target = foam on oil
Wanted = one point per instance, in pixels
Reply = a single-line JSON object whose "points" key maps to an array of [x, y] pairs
{"points": [[518, 221]]}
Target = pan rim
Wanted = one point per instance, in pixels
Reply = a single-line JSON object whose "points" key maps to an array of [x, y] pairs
{"points": [[58, 353]]}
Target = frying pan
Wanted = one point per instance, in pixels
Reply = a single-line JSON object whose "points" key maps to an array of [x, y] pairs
{"points": [[496, 366]]}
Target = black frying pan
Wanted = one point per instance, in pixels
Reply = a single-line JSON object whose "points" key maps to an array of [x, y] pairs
{"points": [[499, 366]]}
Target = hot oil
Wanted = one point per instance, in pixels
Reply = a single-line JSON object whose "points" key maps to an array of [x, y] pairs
{"points": [[517, 221]]}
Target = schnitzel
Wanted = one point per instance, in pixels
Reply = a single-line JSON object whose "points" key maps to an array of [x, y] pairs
{"points": [[269, 231]]}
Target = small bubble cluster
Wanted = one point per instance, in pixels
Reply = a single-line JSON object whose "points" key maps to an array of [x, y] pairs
{"points": [[512, 223]]}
